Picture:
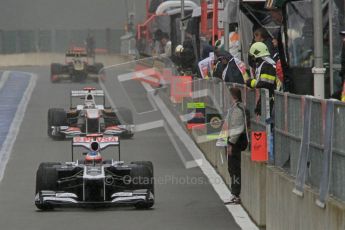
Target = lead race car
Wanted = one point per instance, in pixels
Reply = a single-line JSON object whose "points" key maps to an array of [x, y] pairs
{"points": [[93, 181], [89, 117], [78, 67]]}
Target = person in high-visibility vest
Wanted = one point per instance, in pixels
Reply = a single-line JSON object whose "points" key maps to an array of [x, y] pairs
{"points": [[342, 72], [265, 71], [340, 94], [343, 93]]}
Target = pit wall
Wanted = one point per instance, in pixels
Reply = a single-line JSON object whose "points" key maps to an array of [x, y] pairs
{"points": [[268, 198]]}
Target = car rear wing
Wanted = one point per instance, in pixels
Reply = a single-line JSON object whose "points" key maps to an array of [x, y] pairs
{"points": [[86, 91], [80, 93], [76, 53], [101, 142]]}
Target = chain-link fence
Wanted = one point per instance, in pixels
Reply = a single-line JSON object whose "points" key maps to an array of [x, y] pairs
{"points": [[58, 40]]}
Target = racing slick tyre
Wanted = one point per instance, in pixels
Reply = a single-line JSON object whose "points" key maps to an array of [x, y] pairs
{"points": [[110, 118], [95, 68], [142, 178], [145, 163], [56, 117], [98, 67], [46, 179], [55, 70], [125, 115]]}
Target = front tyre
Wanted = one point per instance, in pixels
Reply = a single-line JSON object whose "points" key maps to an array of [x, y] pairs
{"points": [[46, 179], [55, 70], [56, 117]]}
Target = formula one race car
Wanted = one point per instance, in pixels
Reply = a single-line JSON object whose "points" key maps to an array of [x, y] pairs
{"points": [[94, 182], [76, 68], [89, 118]]}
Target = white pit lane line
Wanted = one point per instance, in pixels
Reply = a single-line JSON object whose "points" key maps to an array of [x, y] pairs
{"points": [[122, 78], [139, 127], [7, 146], [240, 215], [4, 78]]}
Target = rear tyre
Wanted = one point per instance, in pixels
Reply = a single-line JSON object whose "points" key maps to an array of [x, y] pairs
{"points": [[125, 115], [98, 67], [56, 117], [142, 178], [145, 163], [55, 70]]}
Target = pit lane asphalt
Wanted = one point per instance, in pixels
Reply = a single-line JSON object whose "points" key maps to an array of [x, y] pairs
{"points": [[178, 205]]}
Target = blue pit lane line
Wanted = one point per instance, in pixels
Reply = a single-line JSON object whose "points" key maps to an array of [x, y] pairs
{"points": [[11, 95]]}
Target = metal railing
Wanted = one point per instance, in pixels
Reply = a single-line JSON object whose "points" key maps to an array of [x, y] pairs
{"points": [[320, 170], [215, 95], [308, 132]]}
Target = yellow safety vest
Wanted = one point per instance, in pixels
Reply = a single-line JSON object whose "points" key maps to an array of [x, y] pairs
{"points": [[343, 93]]}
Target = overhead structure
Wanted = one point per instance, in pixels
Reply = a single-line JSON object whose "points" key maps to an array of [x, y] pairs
{"points": [[173, 7]]}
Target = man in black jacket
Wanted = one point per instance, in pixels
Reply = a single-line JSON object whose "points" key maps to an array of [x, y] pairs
{"points": [[231, 73]]}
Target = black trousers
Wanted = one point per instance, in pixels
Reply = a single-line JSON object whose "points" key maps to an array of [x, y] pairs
{"points": [[234, 167]]}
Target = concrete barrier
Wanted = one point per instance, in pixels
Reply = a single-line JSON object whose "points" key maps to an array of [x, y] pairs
{"points": [[253, 184], [216, 156], [253, 189], [210, 152], [285, 210], [268, 198], [45, 59], [222, 164]]}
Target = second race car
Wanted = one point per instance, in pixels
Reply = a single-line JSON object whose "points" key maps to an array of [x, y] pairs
{"points": [[77, 67], [89, 117]]}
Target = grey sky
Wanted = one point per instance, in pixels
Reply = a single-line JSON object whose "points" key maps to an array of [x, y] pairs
{"points": [[66, 14]]}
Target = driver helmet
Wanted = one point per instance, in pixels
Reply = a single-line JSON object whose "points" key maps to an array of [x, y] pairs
{"points": [[93, 156]]}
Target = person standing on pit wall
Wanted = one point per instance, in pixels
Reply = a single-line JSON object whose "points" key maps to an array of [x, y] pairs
{"points": [[185, 59], [234, 41], [237, 142], [261, 35], [340, 94], [232, 69], [265, 72], [90, 46], [166, 45], [218, 66], [277, 40], [342, 73]]}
